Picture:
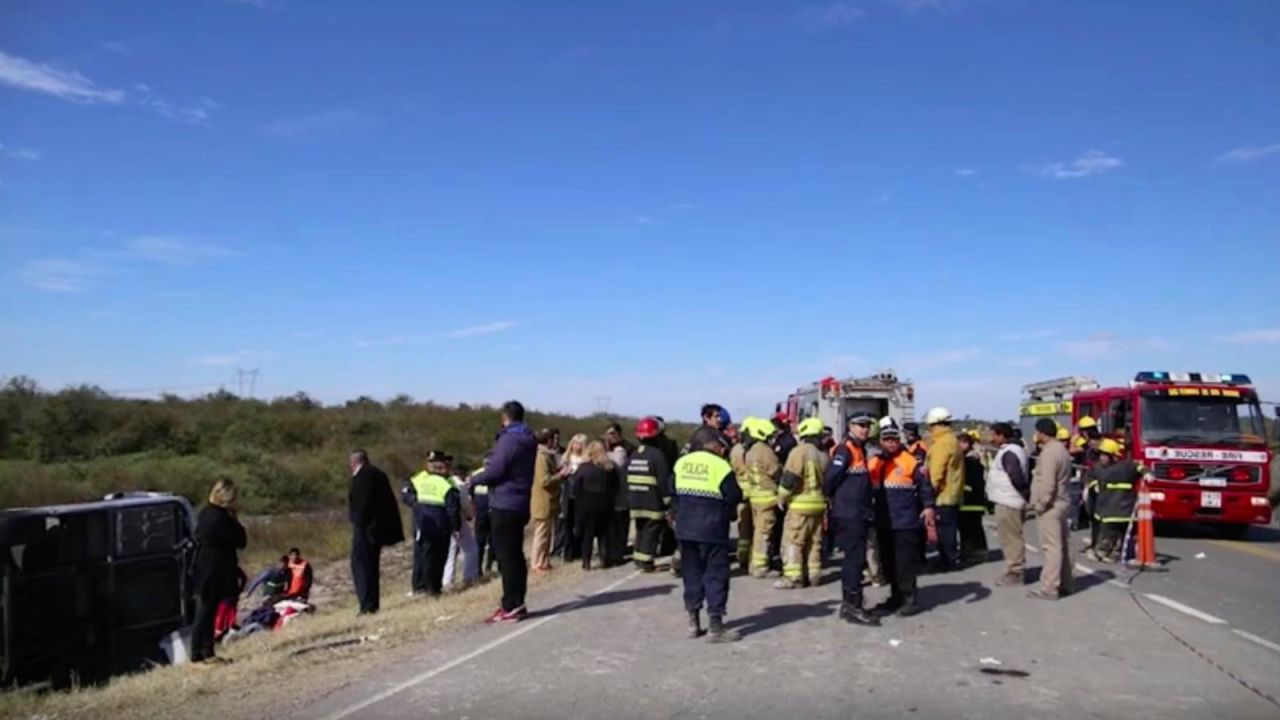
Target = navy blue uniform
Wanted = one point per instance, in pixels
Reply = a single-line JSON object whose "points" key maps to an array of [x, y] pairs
{"points": [[437, 514], [705, 497], [847, 485]]}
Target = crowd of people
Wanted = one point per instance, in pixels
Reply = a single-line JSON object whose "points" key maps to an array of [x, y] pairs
{"points": [[878, 497]]}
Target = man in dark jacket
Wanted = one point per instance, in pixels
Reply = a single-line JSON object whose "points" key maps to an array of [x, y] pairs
{"points": [[714, 421], [903, 507], [375, 523], [437, 517], [705, 500], [509, 477], [847, 485]]}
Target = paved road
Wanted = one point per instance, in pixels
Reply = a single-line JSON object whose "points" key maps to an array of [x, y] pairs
{"points": [[616, 650]]}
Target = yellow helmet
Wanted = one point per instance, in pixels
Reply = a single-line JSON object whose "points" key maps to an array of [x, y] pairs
{"points": [[758, 428], [1109, 446], [1063, 434], [809, 427], [973, 434], [1079, 442], [1086, 422]]}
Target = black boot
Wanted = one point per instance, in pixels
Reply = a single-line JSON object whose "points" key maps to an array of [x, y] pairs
{"points": [[695, 624], [890, 606], [851, 611], [719, 633], [908, 607]]}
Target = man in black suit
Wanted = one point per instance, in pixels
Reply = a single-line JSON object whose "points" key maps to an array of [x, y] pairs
{"points": [[375, 522]]}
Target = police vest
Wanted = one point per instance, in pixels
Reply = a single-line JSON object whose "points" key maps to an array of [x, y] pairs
{"points": [[809, 500], [700, 473], [894, 473], [478, 489], [430, 489]]}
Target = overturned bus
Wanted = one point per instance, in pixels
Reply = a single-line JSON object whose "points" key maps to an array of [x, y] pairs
{"points": [[90, 590]]}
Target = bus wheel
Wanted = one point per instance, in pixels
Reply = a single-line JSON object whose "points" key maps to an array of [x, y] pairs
{"points": [[1234, 531]]}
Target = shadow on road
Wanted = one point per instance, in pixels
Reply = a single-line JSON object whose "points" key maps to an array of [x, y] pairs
{"points": [[776, 616], [932, 597], [609, 598]]}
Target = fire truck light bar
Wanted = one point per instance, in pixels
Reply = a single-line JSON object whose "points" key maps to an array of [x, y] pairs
{"points": [[1182, 377]]}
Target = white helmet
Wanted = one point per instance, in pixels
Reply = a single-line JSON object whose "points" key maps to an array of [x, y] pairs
{"points": [[887, 422], [937, 415]]}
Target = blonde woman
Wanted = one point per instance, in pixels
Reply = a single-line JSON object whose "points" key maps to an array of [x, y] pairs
{"points": [[565, 540], [592, 488], [218, 536]]}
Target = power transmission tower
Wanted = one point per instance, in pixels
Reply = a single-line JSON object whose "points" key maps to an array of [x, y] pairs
{"points": [[241, 374]]}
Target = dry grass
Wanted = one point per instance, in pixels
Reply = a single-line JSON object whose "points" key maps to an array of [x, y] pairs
{"points": [[254, 685]]}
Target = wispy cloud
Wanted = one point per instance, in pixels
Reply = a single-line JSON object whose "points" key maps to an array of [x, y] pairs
{"points": [[60, 275], [1254, 337], [63, 84], [830, 16], [175, 250], [1249, 153], [485, 329], [196, 113], [1103, 345], [319, 124], [1027, 335], [18, 153], [965, 172], [1093, 162]]}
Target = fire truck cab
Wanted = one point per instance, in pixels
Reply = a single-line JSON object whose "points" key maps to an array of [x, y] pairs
{"points": [[1202, 438]]}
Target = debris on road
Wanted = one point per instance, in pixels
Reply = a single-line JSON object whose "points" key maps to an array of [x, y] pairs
{"points": [[990, 661], [1200, 556], [895, 642]]}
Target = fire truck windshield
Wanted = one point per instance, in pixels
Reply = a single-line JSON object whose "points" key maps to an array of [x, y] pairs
{"points": [[1201, 420]]}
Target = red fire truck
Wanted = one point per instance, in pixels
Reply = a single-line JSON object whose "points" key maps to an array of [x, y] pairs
{"points": [[1201, 436]]}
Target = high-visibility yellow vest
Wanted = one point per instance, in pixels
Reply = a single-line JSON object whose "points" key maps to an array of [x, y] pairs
{"points": [[700, 473], [430, 489]]}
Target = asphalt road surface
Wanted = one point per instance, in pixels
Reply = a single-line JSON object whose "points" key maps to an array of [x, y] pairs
{"points": [[1201, 639]]}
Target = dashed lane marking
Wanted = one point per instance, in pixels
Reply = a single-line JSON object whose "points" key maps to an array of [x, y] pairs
{"points": [[423, 677], [1255, 639], [1249, 548], [1185, 609]]}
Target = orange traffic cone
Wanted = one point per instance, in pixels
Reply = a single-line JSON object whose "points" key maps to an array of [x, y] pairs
{"points": [[1145, 554]]}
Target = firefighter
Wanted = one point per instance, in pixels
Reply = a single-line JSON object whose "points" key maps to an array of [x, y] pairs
{"points": [[1084, 454], [1117, 483], [946, 472], [647, 473], [915, 445], [800, 494], [973, 539], [670, 452], [847, 486], [783, 441], [704, 495], [437, 515], [738, 461], [763, 471], [903, 507]]}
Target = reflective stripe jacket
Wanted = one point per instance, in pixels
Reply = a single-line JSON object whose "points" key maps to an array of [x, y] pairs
{"points": [[647, 476], [902, 490], [764, 472], [705, 497], [1117, 490], [975, 486], [801, 486], [847, 482], [738, 461]]}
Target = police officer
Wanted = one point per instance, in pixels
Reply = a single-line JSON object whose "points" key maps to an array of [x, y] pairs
{"points": [[437, 516], [647, 473], [704, 499], [915, 445], [904, 506], [763, 472], [800, 495], [1117, 483], [480, 504], [847, 486]]}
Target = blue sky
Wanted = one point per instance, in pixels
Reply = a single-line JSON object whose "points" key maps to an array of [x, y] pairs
{"points": [[647, 205]]}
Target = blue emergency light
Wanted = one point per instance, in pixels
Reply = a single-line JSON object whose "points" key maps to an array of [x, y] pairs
{"points": [[1148, 376]]}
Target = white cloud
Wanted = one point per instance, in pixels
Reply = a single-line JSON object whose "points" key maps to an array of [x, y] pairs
{"points": [[60, 275], [965, 172], [196, 113], [1093, 162], [174, 250], [1103, 345], [830, 16], [1254, 337], [485, 329], [64, 84], [18, 153], [1249, 153], [319, 123], [1028, 335]]}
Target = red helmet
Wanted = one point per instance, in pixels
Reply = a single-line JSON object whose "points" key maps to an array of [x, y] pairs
{"points": [[647, 428]]}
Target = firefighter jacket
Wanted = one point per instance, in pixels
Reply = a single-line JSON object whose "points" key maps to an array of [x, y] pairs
{"points": [[945, 467], [1117, 490], [902, 490], [704, 497], [738, 461], [801, 487], [763, 472], [647, 475], [975, 484], [437, 509], [847, 482]]}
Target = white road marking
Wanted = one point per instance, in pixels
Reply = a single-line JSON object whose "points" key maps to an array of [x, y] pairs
{"points": [[423, 677], [1255, 639], [1185, 609]]}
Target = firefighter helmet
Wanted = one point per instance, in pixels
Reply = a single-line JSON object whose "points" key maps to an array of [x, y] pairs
{"points": [[809, 427], [647, 428], [1109, 447], [937, 416], [1086, 422]]}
